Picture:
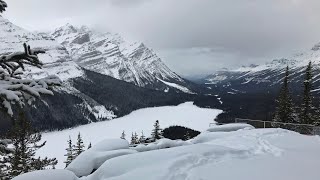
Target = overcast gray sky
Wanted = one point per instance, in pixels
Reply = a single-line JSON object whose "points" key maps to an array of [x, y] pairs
{"points": [[192, 36]]}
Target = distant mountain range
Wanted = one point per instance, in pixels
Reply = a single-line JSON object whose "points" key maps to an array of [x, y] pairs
{"points": [[269, 76], [250, 91]]}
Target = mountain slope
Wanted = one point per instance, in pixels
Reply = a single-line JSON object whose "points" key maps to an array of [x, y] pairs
{"points": [[84, 96], [250, 92], [56, 59], [110, 54], [268, 76]]}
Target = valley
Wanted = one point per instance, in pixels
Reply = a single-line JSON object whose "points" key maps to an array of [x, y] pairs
{"points": [[159, 90]]}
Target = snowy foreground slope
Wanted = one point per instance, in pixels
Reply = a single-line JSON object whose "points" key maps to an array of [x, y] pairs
{"points": [[141, 120], [225, 153]]}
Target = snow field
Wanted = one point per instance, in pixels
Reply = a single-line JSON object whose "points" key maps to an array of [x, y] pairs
{"points": [[185, 114]]}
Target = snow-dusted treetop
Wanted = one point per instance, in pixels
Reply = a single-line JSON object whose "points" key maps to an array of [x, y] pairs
{"points": [[4, 149], [16, 90], [3, 6]]}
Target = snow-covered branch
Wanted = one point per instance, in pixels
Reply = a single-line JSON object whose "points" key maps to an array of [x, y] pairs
{"points": [[4, 149], [11, 63], [16, 90], [3, 6]]}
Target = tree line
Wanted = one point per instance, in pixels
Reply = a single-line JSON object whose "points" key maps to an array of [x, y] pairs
{"points": [[288, 112], [156, 134], [74, 150], [172, 132]]}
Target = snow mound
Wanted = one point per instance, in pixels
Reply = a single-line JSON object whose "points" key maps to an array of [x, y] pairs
{"points": [[93, 158], [251, 154], [89, 161], [230, 127], [56, 174], [111, 144], [150, 165], [160, 144]]}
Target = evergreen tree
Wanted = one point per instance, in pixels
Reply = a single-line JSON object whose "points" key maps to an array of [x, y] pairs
{"points": [[90, 146], [156, 132], [79, 147], [25, 143], [18, 89], [134, 139], [307, 108], [142, 138], [123, 135], [3, 6], [4, 151], [70, 154], [285, 111]]}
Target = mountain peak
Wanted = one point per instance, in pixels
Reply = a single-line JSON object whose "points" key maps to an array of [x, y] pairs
{"points": [[65, 30], [56, 60], [109, 54], [316, 47]]}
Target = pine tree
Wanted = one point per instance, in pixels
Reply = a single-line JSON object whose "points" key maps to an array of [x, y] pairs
{"points": [[4, 151], [3, 6], [156, 132], [18, 89], [79, 147], [285, 111], [123, 135], [307, 108], [134, 139], [142, 138], [70, 154], [25, 144], [90, 146]]}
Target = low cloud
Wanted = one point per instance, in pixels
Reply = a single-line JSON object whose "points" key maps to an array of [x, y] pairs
{"points": [[240, 32]]}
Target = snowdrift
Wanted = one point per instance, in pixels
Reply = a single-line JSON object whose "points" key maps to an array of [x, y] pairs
{"points": [[244, 153], [93, 158]]}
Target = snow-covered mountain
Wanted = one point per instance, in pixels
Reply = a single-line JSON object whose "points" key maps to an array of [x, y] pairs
{"points": [[84, 96], [109, 54], [56, 59], [269, 75]]}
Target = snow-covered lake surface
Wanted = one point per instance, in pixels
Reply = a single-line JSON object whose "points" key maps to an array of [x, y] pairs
{"points": [[185, 114], [239, 152]]}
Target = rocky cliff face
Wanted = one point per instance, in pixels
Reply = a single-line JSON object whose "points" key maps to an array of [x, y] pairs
{"points": [[111, 55]]}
